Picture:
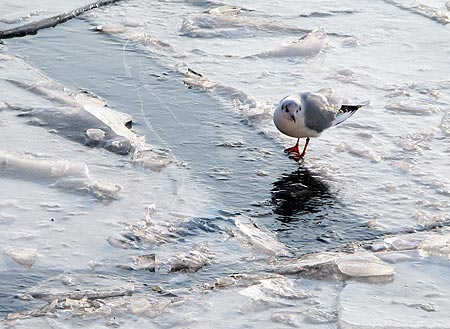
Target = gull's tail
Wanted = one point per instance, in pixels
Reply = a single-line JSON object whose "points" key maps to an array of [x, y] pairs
{"points": [[345, 112]]}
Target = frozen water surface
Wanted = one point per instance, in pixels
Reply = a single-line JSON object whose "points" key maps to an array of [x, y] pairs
{"points": [[144, 184]]}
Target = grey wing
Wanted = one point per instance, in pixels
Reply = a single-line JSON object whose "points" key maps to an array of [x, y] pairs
{"points": [[319, 115]]}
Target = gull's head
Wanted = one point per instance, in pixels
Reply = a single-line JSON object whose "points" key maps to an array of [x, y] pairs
{"points": [[288, 109], [289, 117]]}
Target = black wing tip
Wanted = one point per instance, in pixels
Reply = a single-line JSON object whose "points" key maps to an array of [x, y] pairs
{"points": [[350, 108]]}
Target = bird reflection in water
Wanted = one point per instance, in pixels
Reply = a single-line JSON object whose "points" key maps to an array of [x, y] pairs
{"points": [[308, 211], [300, 191], [305, 208]]}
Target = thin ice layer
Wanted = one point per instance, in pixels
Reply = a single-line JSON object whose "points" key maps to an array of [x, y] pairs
{"points": [[61, 173]]}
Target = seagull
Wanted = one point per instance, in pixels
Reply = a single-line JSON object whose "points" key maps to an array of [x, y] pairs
{"points": [[308, 114]]}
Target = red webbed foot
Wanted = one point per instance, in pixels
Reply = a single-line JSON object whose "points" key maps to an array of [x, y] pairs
{"points": [[293, 149]]}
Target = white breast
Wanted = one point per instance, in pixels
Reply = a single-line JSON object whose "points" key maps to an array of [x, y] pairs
{"points": [[293, 129]]}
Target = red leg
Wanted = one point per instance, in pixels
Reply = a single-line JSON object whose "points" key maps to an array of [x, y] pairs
{"points": [[297, 156], [293, 149], [304, 149]]}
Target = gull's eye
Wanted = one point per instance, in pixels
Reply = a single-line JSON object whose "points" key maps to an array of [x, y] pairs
{"points": [[286, 109]]}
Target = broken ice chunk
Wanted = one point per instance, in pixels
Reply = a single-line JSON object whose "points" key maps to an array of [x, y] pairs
{"points": [[318, 265], [364, 265], [350, 42], [285, 317], [198, 257], [309, 45], [146, 262], [435, 245], [82, 286], [319, 316], [273, 293], [121, 243], [404, 242], [95, 134], [414, 109], [251, 235], [224, 282], [360, 265], [393, 257], [275, 289], [22, 256], [62, 173]]}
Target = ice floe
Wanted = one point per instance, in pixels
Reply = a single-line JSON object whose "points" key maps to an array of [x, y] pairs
{"points": [[310, 45], [79, 116], [228, 21], [79, 286], [415, 109], [24, 257], [363, 266], [73, 176], [402, 303], [194, 260], [351, 42], [416, 142], [422, 9], [435, 245], [369, 154], [252, 236]]}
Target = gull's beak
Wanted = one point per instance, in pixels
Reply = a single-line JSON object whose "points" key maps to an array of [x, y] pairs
{"points": [[293, 117]]}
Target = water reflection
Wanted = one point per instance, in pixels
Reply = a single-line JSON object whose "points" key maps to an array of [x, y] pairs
{"points": [[309, 215], [300, 191]]}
